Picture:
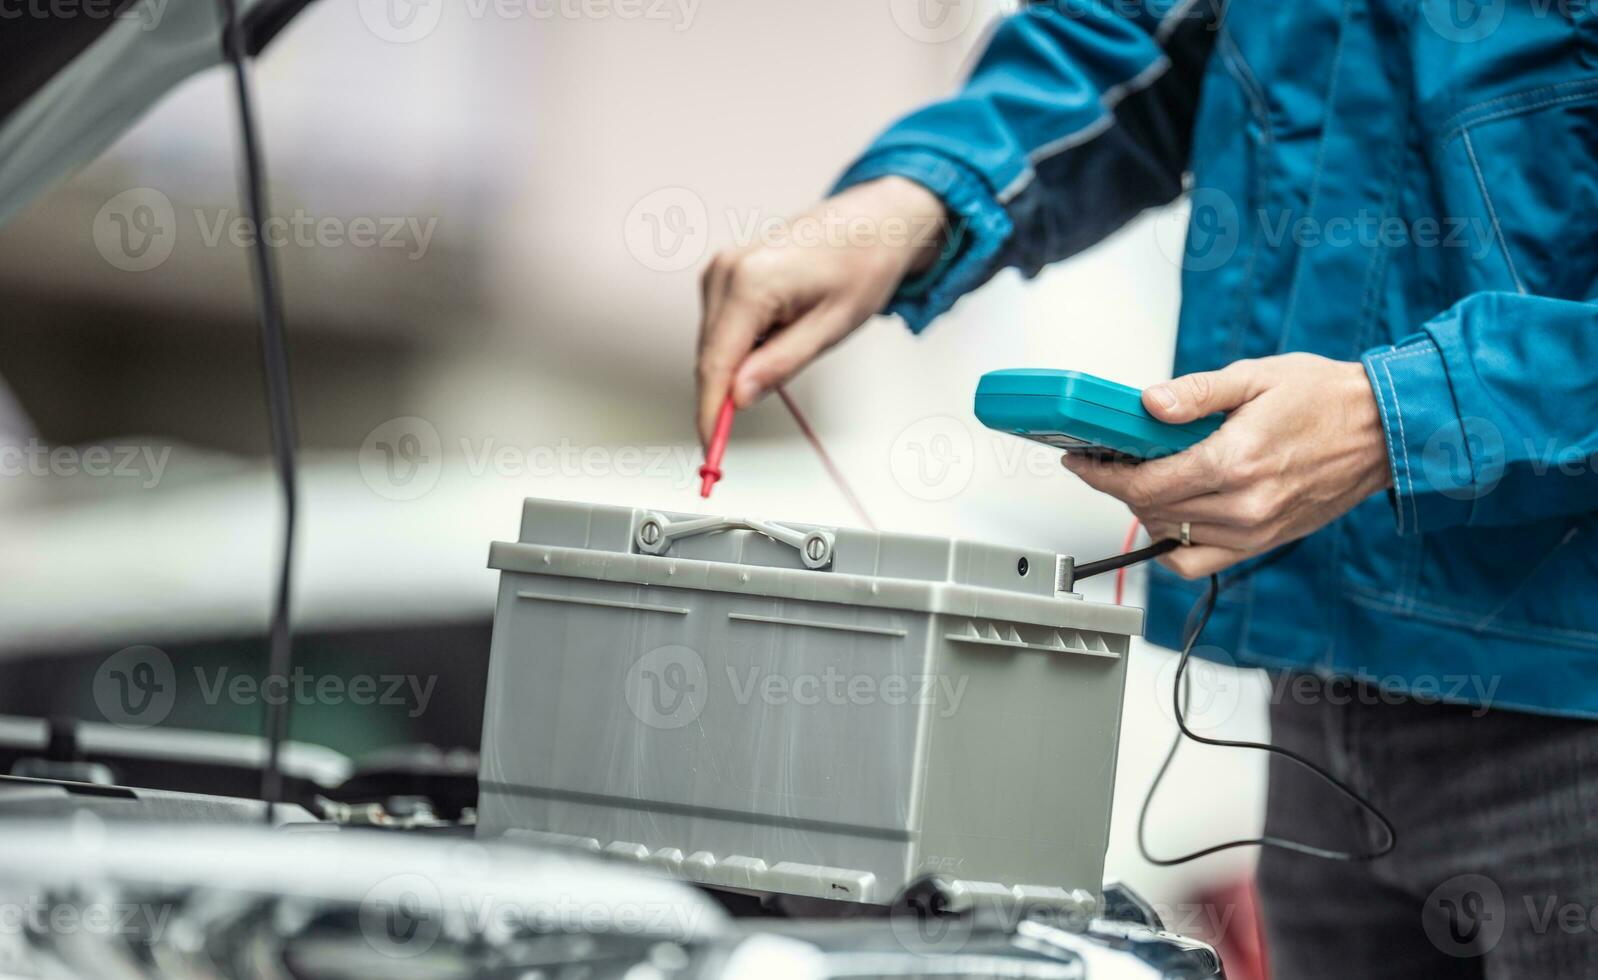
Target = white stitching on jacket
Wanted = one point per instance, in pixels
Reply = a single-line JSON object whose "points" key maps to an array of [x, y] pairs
{"points": [[1387, 434], [1403, 439], [1492, 212], [1588, 88], [1386, 359], [1451, 616]]}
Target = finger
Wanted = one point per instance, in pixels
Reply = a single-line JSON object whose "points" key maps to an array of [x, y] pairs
{"points": [[1234, 508], [1220, 535], [1193, 396], [1156, 483], [739, 320], [785, 353], [1201, 560], [711, 286]]}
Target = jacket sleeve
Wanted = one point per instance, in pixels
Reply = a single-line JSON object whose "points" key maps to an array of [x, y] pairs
{"points": [[1078, 116], [1491, 413]]}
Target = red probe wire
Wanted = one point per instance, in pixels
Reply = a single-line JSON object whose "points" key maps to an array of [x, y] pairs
{"points": [[710, 473], [1120, 573], [826, 461]]}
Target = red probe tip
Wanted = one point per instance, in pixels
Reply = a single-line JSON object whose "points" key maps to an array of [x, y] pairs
{"points": [[711, 471]]}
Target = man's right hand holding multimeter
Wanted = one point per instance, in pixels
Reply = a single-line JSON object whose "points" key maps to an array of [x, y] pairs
{"points": [[1301, 445]]}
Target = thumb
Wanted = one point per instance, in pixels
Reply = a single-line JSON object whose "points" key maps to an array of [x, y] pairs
{"points": [[1193, 396]]}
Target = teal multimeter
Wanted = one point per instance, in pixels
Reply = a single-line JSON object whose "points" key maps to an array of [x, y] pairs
{"points": [[1082, 413]]}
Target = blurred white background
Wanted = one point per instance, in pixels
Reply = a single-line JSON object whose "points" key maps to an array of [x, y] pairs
{"points": [[556, 177]]}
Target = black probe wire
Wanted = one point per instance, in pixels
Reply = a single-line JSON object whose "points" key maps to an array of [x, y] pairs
{"points": [[1180, 693], [279, 399], [1092, 568]]}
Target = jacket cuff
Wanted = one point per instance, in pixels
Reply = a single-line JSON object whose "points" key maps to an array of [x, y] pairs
{"points": [[978, 228], [1434, 480]]}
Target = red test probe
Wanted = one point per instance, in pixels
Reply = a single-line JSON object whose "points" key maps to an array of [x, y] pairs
{"points": [[711, 471]]}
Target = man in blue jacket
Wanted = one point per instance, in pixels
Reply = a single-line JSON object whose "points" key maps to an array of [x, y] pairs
{"points": [[1393, 242]]}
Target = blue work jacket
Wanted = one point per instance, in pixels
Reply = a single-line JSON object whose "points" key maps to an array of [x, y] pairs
{"points": [[1408, 183]]}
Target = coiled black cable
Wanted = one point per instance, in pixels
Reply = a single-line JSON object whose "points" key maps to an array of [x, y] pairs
{"points": [[1179, 697]]}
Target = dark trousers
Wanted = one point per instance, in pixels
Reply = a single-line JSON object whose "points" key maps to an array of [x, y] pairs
{"points": [[1496, 870]]}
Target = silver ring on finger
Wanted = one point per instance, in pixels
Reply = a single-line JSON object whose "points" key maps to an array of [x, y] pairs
{"points": [[1187, 534]]}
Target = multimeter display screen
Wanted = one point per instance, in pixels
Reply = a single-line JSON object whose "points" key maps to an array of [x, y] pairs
{"points": [[1059, 439]]}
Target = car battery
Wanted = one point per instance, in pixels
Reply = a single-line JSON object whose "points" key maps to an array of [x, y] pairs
{"points": [[786, 708]]}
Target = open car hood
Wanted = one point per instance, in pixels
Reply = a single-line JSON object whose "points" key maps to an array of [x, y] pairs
{"points": [[78, 74]]}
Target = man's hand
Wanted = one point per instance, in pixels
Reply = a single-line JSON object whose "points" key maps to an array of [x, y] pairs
{"points": [[810, 291], [1301, 445]]}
